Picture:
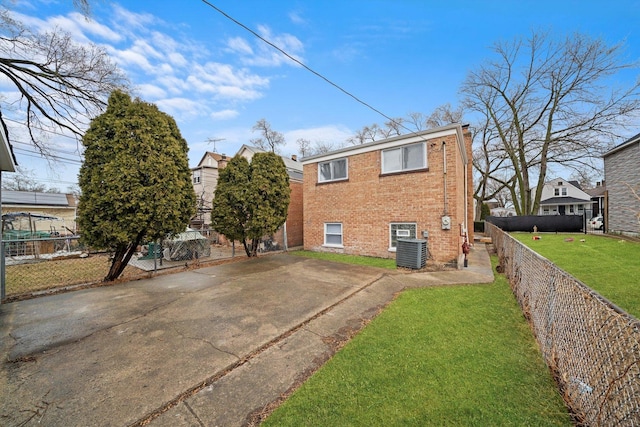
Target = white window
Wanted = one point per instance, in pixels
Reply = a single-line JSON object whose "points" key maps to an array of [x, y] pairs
{"points": [[196, 177], [333, 234], [564, 191], [545, 211], [334, 170], [571, 209], [405, 158], [401, 230], [556, 191]]}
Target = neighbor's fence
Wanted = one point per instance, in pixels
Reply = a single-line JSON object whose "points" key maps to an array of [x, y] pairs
{"points": [[592, 346], [33, 265], [38, 264]]}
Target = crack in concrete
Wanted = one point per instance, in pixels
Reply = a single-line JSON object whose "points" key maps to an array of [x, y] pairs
{"points": [[204, 340], [194, 414], [145, 420]]}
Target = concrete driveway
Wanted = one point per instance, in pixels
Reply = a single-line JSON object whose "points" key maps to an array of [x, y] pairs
{"points": [[214, 346]]}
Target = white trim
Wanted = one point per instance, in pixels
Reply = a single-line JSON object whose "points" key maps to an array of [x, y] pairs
{"points": [[391, 143], [333, 245], [7, 163]]}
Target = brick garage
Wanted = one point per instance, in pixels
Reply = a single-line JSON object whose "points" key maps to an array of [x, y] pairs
{"points": [[355, 207]]}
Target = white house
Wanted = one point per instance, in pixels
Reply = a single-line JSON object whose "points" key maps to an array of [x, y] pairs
{"points": [[562, 197]]}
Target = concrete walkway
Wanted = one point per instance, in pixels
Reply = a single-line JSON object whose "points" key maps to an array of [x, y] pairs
{"points": [[218, 346]]}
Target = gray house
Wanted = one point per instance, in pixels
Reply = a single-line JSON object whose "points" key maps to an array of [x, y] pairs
{"points": [[622, 174]]}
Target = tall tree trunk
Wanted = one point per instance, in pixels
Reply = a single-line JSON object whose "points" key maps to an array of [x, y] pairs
{"points": [[121, 258]]}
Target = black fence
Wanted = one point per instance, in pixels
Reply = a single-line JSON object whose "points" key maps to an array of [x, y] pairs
{"points": [[541, 223]]}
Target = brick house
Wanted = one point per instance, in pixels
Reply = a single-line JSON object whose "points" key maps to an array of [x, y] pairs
{"points": [[361, 199], [622, 208]]}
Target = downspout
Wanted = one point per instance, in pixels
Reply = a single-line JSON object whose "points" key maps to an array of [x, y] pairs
{"points": [[444, 177]]}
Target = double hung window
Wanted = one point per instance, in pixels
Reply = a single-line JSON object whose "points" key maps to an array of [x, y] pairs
{"points": [[405, 158], [333, 234], [333, 170]]}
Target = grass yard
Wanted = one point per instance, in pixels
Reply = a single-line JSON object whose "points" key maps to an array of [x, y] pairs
{"points": [[458, 355], [608, 265], [349, 259], [24, 278]]}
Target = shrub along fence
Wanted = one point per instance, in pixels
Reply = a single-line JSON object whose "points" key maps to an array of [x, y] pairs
{"points": [[592, 346]]}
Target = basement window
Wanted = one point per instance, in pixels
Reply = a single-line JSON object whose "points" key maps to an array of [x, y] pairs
{"points": [[401, 230], [333, 234]]}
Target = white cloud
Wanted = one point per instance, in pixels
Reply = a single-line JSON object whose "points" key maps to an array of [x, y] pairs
{"points": [[239, 45], [264, 55], [335, 135], [131, 20], [150, 91], [224, 114], [296, 18], [182, 107]]}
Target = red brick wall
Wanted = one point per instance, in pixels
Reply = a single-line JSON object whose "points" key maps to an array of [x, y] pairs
{"points": [[368, 202], [294, 215]]}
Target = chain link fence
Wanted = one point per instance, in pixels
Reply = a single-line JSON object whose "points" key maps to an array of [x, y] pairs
{"points": [[40, 264], [592, 346]]}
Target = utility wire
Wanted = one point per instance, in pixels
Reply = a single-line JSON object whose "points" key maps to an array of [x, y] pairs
{"points": [[41, 129], [297, 61]]}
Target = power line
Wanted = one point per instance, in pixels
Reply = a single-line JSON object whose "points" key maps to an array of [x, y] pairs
{"points": [[297, 61], [35, 155], [40, 128], [57, 150]]}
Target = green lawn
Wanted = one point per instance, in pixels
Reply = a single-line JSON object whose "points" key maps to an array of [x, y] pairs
{"points": [[608, 265], [460, 355], [349, 259]]}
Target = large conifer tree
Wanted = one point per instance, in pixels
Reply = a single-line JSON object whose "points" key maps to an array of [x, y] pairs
{"points": [[135, 179], [251, 200]]}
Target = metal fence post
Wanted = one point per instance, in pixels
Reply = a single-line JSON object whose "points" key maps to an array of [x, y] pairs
{"points": [[3, 284]]}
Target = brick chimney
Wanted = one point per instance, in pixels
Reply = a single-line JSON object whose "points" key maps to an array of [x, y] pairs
{"points": [[223, 161]]}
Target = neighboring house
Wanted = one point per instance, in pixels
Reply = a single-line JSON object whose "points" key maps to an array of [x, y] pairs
{"points": [[293, 228], [361, 199], [205, 179], [598, 195], [562, 197], [622, 174], [51, 212]]}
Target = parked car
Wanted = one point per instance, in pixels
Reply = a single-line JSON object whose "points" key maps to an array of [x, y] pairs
{"points": [[596, 222]]}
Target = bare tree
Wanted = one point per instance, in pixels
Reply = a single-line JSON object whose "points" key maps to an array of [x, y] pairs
{"points": [[61, 84], [270, 140], [547, 103], [414, 122], [304, 147], [23, 180], [444, 115]]}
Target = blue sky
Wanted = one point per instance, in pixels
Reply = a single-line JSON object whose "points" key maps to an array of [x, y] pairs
{"points": [[216, 79]]}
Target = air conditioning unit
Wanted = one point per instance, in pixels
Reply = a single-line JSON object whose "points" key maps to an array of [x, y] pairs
{"points": [[411, 253]]}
